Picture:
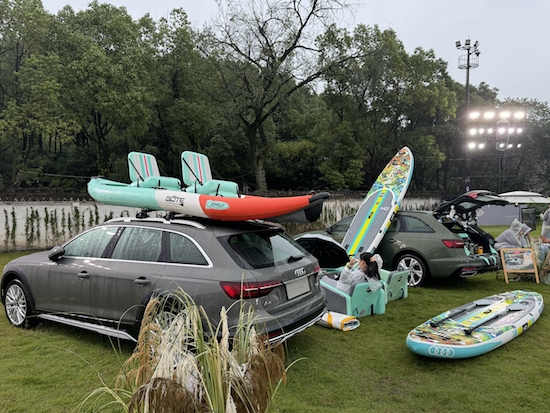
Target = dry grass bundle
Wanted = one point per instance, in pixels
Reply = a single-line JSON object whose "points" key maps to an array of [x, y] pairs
{"points": [[179, 369], [139, 368], [183, 364], [163, 396], [263, 370]]}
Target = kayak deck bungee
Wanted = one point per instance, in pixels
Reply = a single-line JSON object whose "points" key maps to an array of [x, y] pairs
{"points": [[477, 327]]}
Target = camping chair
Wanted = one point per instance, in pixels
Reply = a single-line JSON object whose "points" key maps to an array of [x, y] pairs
{"points": [[360, 302], [197, 175], [144, 172], [395, 284]]}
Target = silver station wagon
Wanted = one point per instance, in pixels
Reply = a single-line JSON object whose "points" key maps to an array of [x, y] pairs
{"points": [[103, 278]]}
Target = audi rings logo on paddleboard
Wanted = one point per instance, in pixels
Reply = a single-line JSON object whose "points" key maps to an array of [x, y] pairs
{"points": [[175, 199], [444, 352], [217, 205], [299, 272]]}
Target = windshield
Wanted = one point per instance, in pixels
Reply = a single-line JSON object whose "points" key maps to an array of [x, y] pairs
{"points": [[266, 248]]}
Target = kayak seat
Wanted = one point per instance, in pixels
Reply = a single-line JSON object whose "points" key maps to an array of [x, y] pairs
{"points": [[144, 172], [395, 283], [162, 182], [197, 176], [360, 302], [215, 187]]}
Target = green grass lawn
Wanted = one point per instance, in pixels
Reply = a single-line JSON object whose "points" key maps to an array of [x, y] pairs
{"points": [[52, 368]]}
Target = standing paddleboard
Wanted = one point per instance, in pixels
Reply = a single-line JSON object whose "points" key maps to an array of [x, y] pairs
{"points": [[477, 327], [380, 205]]}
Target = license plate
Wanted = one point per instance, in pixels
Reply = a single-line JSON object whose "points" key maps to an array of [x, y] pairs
{"points": [[297, 287]]}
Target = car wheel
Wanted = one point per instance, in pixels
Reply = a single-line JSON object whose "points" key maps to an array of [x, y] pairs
{"points": [[418, 270], [17, 304]]}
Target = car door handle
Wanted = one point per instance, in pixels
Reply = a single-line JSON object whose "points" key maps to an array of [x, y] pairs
{"points": [[142, 281], [83, 274], [392, 240]]}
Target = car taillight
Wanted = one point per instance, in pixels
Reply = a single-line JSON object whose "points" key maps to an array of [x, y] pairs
{"points": [[237, 290], [453, 243], [317, 269]]}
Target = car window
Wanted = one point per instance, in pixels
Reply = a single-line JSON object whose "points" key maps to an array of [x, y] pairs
{"points": [[138, 244], [265, 249], [91, 243], [395, 224], [343, 225], [412, 224], [184, 251]]}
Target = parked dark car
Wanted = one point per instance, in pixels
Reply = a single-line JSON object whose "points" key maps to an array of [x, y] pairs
{"points": [[103, 278], [444, 243]]}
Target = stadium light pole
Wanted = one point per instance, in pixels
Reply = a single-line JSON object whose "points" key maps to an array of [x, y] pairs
{"points": [[468, 62]]}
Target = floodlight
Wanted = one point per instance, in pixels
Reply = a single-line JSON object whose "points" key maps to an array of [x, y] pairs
{"points": [[505, 115], [473, 131], [472, 145], [519, 145], [489, 115], [519, 115], [467, 42], [481, 131], [481, 145], [458, 43], [519, 130], [490, 131], [511, 130], [501, 130]]}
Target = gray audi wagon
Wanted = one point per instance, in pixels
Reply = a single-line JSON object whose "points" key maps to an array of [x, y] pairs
{"points": [[103, 278]]}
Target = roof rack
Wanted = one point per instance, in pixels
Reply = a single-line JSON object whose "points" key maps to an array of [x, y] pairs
{"points": [[163, 220]]}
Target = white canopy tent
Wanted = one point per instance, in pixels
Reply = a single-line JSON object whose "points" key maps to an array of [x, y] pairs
{"points": [[524, 197]]}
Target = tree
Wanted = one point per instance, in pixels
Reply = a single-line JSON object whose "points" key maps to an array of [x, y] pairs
{"points": [[24, 95], [387, 98], [105, 82], [264, 52], [182, 118]]}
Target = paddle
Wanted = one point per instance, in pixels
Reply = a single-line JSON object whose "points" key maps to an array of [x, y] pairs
{"points": [[504, 311], [461, 310]]}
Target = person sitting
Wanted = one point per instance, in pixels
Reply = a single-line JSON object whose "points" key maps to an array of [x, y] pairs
{"points": [[510, 237], [525, 236], [369, 270]]}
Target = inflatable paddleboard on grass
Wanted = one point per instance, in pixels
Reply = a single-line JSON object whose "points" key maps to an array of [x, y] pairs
{"points": [[380, 205], [477, 327]]}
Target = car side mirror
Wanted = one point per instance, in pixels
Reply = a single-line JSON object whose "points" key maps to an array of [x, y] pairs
{"points": [[56, 253], [329, 230]]}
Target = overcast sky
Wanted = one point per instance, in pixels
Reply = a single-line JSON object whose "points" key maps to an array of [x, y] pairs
{"points": [[511, 33]]}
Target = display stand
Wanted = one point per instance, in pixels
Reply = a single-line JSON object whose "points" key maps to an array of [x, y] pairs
{"points": [[518, 260]]}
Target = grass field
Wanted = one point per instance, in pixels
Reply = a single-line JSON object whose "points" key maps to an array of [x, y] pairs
{"points": [[52, 368]]}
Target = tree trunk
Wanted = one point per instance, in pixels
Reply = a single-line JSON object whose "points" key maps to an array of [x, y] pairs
{"points": [[259, 171]]}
